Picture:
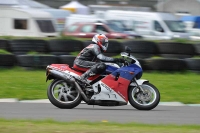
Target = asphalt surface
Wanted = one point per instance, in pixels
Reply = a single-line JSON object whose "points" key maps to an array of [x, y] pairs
{"points": [[123, 114]]}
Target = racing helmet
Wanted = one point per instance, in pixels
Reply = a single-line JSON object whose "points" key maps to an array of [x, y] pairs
{"points": [[101, 40]]}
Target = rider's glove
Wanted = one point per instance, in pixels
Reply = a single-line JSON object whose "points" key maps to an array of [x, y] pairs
{"points": [[120, 60]]}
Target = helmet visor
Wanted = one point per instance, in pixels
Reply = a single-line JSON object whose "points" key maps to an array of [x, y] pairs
{"points": [[106, 44]]}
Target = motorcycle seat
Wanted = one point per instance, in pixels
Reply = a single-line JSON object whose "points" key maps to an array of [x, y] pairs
{"points": [[77, 70]]}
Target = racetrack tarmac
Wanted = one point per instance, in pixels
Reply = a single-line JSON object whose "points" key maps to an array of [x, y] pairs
{"points": [[122, 114]]}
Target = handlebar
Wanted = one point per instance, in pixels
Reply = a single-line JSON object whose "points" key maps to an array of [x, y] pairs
{"points": [[126, 63]]}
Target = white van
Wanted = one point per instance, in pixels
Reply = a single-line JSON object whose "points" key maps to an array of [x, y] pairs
{"points": [[59, 16], [74, 18], [150, 25], [26, 22]]}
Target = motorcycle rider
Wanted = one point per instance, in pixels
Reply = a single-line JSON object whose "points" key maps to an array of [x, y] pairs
{"points": [[87, 59]]}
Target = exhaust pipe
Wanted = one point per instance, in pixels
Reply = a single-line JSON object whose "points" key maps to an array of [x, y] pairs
{"points": [[71, 81], [78, 88], [59, 75]]}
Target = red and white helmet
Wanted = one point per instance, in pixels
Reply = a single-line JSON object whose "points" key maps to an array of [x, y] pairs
{"points": [[101, 40]]}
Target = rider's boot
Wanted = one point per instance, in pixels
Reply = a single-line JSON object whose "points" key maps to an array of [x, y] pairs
{"points": [[86, 75]]}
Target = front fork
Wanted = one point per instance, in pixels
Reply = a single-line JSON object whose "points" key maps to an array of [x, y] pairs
{"points": [[139, 86]]}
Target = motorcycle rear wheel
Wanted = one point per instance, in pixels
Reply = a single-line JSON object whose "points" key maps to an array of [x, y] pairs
{"points": [[62, 95], [146, 101]]}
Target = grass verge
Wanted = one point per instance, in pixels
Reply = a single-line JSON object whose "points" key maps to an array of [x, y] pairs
{"points": [[30, 84], [50, 126]]}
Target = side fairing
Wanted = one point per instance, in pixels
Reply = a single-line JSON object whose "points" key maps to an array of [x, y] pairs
{"points": [[119, 80], [107, 93], [111, 67], [132, 69], [120, 86]]}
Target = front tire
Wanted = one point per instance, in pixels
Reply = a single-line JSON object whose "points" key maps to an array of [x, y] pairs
{"points": [[63, 95], [146, 101]]}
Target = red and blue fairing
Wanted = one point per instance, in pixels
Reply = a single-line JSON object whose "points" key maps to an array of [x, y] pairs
{"points": [[120, 78]]}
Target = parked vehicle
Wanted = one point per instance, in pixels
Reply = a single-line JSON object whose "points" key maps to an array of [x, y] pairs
{"points": [[150, 25], [191, 22], [118, 26], [16, 21], [88, 30], [118, 85], [59, 16], [76, 18], [194, 34]]}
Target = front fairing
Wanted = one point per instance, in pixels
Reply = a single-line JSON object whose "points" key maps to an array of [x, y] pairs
{"points": [[129, 72], [129, 57], [111, 67], [135, 69], [120, 79]]}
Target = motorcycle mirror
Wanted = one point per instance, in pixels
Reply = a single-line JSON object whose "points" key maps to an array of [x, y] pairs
{"points": [[128, 50]]}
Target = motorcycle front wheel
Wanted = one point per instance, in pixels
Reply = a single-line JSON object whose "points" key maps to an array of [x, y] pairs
{"points": [[144, 101], [63, 95]]}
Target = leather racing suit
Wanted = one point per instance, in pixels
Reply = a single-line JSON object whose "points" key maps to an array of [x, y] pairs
{"points": [[87, 61]]}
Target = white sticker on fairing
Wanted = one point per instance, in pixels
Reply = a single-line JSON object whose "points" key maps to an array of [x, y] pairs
{"points": [[108, 89], [107, 94]]}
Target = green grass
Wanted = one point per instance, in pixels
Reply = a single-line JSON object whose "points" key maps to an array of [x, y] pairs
{"points": [[50, 126], [183, 87], [2, 51], [30, 84], [196, 57], [36, 53], [23, 84], [74, 53]]}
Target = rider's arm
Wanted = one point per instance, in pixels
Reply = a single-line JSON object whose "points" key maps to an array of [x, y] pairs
{"points": [[105, 58], [100, 56]]}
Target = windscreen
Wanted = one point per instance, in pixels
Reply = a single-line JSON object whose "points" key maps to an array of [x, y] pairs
{"points": [[46, 26], [114, 27], [175, 26], [119, 23]]}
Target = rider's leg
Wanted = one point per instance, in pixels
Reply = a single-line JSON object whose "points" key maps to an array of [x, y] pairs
{"points": [[96, 69]]}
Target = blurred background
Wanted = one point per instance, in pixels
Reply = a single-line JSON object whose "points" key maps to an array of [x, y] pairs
{"points": [[164, 36], [55, 30]]}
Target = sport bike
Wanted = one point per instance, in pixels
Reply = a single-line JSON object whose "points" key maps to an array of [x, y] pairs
{"points": [[119, 85]]}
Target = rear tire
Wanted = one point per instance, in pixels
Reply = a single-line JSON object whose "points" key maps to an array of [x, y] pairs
{"points": [[62, 95], [141, 101]]}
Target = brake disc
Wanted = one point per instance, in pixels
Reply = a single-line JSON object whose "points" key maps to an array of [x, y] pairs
{"points": [[146, 96]]}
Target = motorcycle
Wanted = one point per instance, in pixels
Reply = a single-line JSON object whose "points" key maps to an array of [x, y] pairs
{"points": [[119, 85]]}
